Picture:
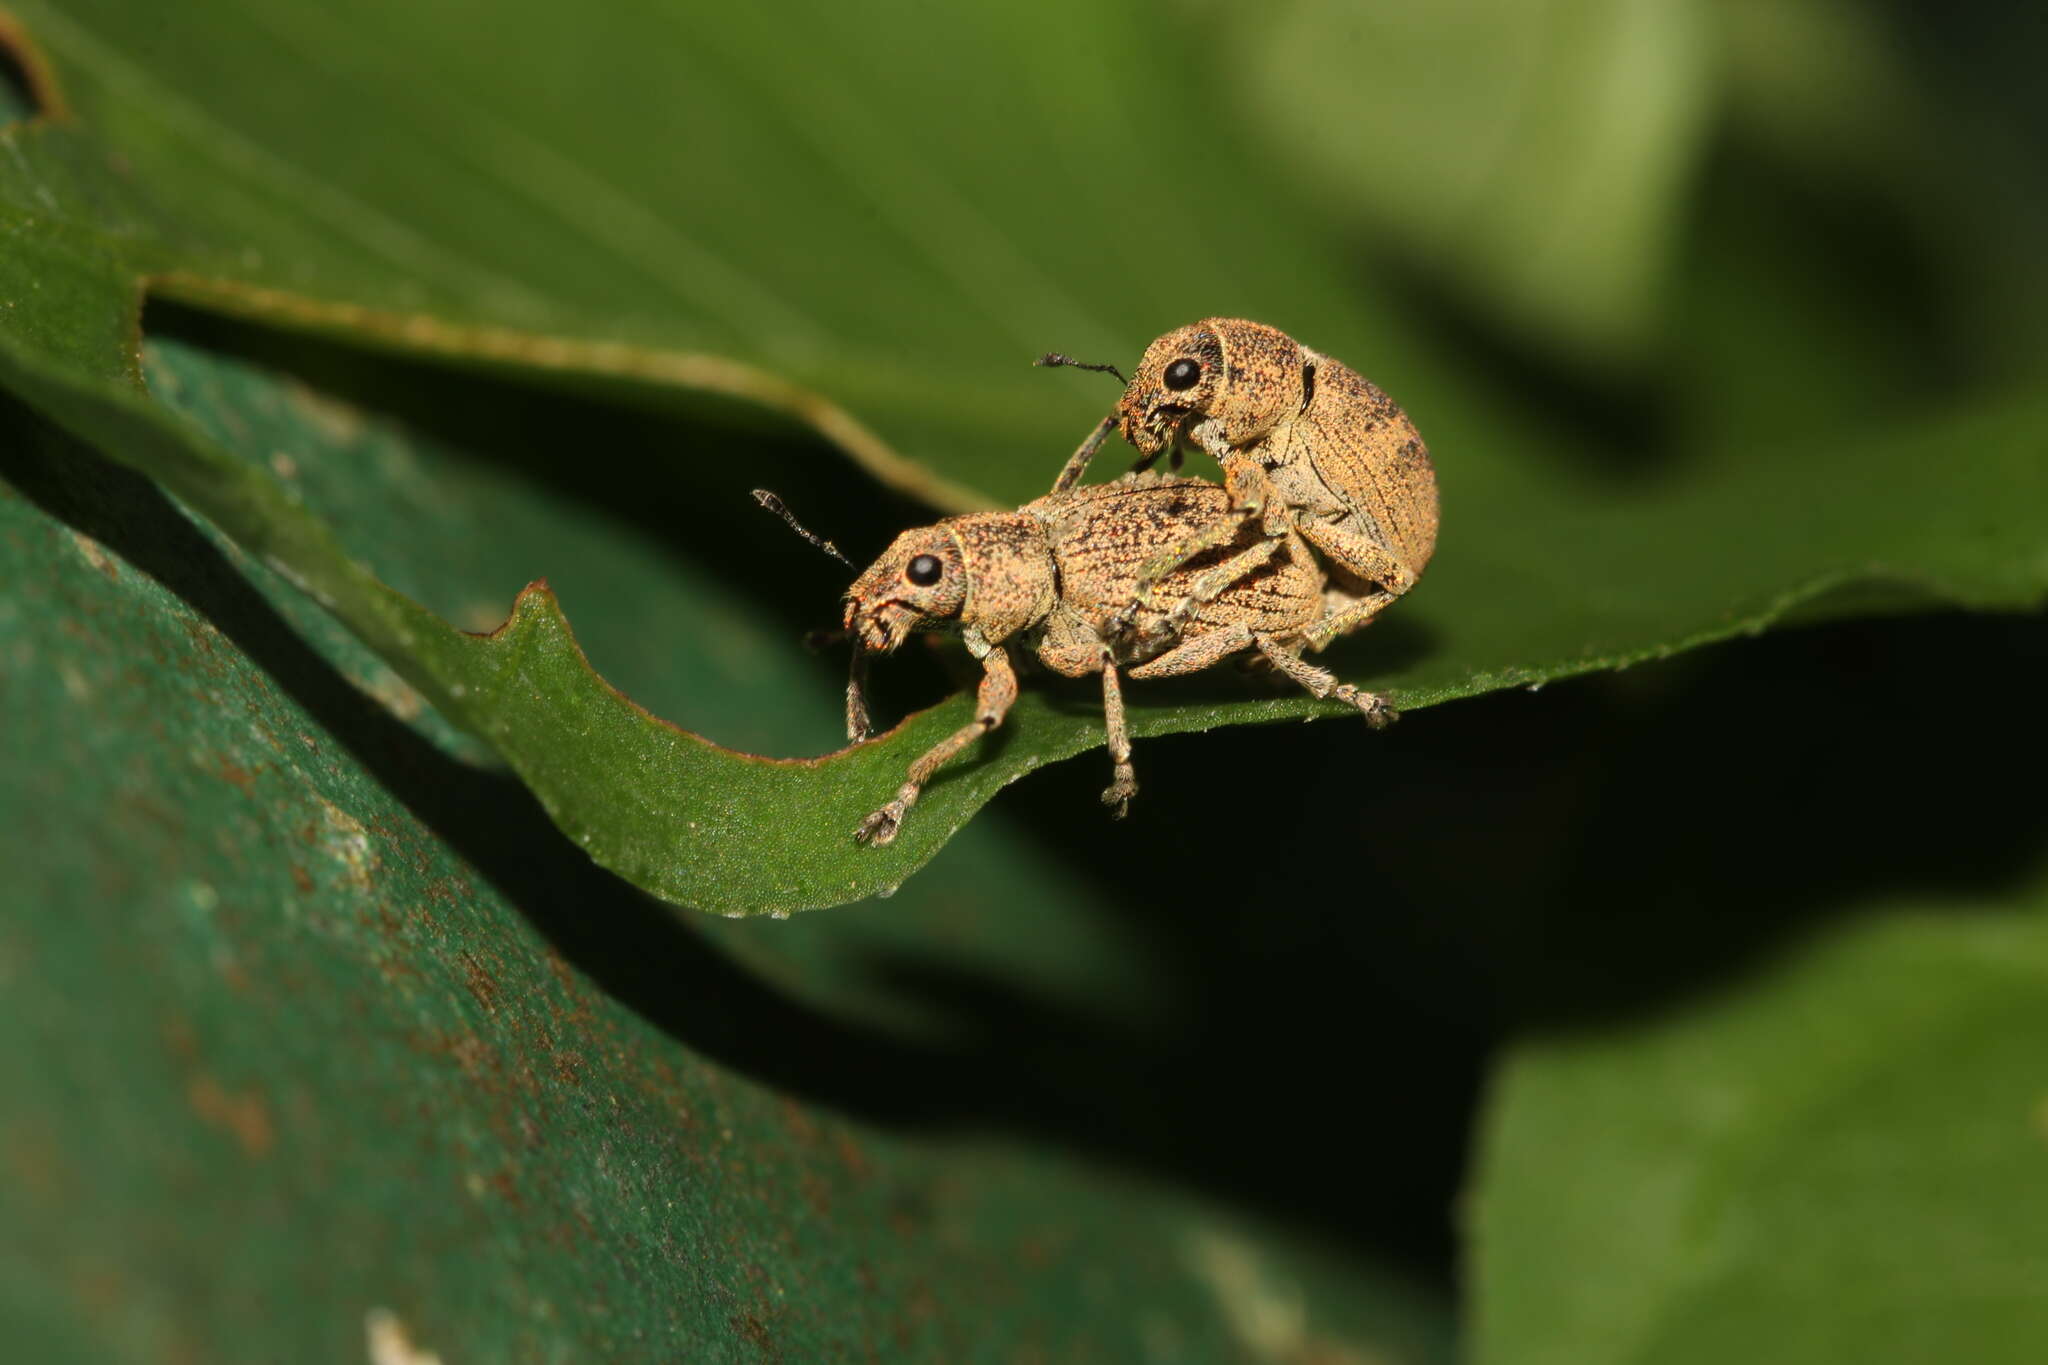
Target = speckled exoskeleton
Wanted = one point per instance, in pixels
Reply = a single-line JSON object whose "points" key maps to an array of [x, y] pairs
{"points": [[1306, 444], [1051, 579]]}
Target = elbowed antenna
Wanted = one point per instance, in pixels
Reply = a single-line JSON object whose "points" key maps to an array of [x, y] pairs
{"points": [[1053, 360], [775, 505]]}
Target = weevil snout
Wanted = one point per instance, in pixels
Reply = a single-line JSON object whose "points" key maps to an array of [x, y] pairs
{"points": [[878, 627], [1152, 427]]}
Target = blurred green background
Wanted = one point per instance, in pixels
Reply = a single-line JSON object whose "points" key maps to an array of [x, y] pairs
{"points": [[1692, 1012]]}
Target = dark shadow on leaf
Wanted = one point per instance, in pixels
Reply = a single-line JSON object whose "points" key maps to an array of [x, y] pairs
{"points": [[1811, 776], [679, 468]]}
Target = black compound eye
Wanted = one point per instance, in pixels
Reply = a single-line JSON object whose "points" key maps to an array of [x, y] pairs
{"points": [[1182, 374], [924, 570]]}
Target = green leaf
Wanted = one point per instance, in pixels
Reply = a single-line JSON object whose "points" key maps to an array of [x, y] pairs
{"points": [[1537, 153], [546, 194], [1837, 1157]]}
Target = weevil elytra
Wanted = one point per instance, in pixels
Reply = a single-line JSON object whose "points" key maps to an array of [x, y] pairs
{"points": [[1306, 444], [1056, 578]]}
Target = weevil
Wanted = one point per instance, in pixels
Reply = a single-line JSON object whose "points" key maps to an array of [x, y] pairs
{"points": [[1306, 444], [1055, 579]]}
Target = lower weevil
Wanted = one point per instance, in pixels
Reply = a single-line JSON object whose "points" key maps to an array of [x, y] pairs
{"points": [[1058, 578]]}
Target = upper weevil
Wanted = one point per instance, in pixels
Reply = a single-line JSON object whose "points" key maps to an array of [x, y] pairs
{"points": [[1306, 444]]}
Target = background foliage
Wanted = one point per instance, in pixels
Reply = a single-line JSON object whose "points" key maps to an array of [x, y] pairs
{"points": [[315, 1005]]}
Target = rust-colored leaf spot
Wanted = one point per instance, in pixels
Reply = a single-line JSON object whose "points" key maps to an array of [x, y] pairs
{"points": [[244, 1115], [237, 776], [482, 985]]}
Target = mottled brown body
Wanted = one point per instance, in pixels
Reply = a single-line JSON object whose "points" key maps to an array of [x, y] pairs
{"points": [[1057, 578], [1306, 445]]}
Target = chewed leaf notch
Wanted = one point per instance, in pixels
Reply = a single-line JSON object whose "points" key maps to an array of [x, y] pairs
{"points": [[28, 85]]}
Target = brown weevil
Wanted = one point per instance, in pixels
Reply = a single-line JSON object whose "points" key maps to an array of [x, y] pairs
{"points": [[1057, 578], [1306, 444]]}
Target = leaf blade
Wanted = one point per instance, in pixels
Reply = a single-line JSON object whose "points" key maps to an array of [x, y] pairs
{"points": [[1709, 1184]]}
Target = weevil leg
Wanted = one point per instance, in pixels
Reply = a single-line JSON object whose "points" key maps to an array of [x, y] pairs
{"points": [[991, 703], [1365, 558], [1348, 619], [1249, 493], [1124, 780], [1207, 586], [859, 724], [1077, 463], [1212, 583], [1353, 550], [1196, 654], [1321, 682]]}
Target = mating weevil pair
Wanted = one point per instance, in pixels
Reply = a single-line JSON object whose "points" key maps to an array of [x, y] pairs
{"points": [[1169, 575]]}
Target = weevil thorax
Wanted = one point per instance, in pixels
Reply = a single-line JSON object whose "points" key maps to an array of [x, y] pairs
{"points": [[1012, 584], [989, 570], [1245, 375]]}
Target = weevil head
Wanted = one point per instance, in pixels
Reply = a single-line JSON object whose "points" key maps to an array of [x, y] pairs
{"points": [[1245, 375], [919, 582], [991, 571]]}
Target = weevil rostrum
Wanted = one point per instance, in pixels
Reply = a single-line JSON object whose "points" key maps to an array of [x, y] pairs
{"points": [[1057, 579], [1306, 444]]}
